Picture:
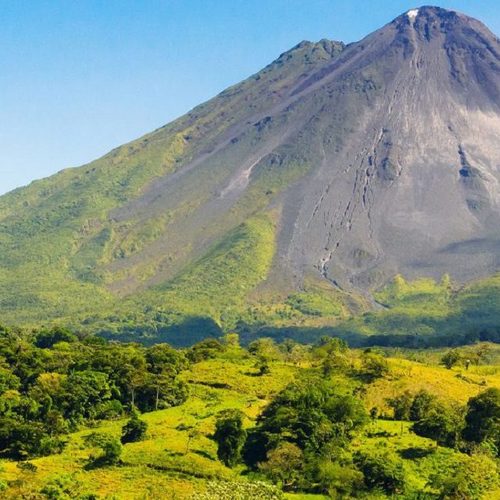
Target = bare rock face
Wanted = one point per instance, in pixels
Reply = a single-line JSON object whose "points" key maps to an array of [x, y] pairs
{"points": [[413, 186]]}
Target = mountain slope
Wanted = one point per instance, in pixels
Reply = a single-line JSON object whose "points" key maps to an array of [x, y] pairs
{"points": [[336, 166]]}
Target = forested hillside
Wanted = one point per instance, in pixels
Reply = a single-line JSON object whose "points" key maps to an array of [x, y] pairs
{"points": [[83, 418]]}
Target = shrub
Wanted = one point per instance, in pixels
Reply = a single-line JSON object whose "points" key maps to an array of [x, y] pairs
{"points": [[111, 450], [421, 405], [284, 465], [134, 430], [450, 359], [206, 349], [373, 366], [309, 415], [48, 338], [467, 479], [231, 490], [441, 424], [338, 480], [401, 405]]}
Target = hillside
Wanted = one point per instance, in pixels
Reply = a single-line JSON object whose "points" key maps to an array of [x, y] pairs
{"points": [[289, 200], [178, 456]]}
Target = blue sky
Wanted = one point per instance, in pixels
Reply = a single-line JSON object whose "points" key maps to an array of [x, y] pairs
{"points": [[80, 77]]}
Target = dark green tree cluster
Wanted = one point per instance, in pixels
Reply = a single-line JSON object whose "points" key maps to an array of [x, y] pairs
{"points": [[230, 437], [301, 439], [460, 427], [110, 450], [52, 381]]}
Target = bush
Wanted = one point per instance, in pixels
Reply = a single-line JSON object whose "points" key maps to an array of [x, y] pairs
{"points": [[441, 424], [48, 338], [310, 415], [111, 450], [338, 480], [374, 366], [19, 440], [134, 430], [451, 358], [206, 349], [65, 486], [401, 405], [109, 410], [284, 465], [231, 490], [421, 405], [467, 479]]}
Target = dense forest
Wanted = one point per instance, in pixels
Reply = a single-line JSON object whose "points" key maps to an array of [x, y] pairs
{"points": [[78, 413]]}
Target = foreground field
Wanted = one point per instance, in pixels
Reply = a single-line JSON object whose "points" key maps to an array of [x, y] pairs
{"points": [[178, 459]]}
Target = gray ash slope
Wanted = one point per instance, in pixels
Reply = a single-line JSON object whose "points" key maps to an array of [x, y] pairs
{"points": [[398, 139], [412, 186]]}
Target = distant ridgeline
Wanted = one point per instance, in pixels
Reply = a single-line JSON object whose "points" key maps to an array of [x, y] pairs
{"points": [[286, 205]]}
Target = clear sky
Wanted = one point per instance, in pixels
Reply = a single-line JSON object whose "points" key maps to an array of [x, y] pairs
{"points": [[79, 77]]}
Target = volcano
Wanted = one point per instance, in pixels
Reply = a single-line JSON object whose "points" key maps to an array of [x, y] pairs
{"points": [[342, 165]]}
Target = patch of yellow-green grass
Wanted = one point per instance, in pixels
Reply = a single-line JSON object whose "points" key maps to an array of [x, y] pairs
{"points": [[242, 377], [218, 284], [456, 385], [178, 455]]}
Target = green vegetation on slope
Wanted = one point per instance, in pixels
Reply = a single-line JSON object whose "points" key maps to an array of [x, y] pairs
{"points": [[319, 420], [71, 244]]}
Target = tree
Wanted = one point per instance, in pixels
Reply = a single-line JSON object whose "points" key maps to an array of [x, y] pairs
{"points": [[482, 420], [162, 390], [422, 404], [48, 338], [334, 362], [206, 349], [284, 465], [21, 440], [230, 436], [373, 365], [468, 478], [111, 450], [451, 358], [401, 405], [263, 366], [382, 470], [338, 479], [134, 430], [310, 415], [265, 349], [83, 391], [442, 424], [231, 340], [162, 359]]}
